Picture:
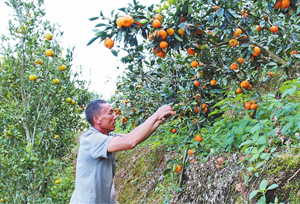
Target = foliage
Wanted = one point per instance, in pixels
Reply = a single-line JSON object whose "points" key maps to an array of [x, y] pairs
{"points": [[262, 190], [156, 76], [38, 126]]}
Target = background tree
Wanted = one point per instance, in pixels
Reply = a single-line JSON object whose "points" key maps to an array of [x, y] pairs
{"points": [[41, 107]]}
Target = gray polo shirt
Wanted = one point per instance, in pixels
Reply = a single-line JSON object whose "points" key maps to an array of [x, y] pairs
{"points": [[95, 169]]}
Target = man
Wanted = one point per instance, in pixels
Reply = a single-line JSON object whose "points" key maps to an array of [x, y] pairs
{"points": [[96, 166]]}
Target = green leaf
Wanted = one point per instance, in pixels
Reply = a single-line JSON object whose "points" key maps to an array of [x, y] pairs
{"points": [[252, 194], [272, 186], [255, 128], [92, 40], [100, 24], [114, 52], [220, 12], [177, 37], [167, 171], [93, 18], [263, 185]]}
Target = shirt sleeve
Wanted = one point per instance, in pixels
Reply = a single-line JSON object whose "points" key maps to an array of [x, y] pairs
{"points": [[115, 134], [98, 144]]}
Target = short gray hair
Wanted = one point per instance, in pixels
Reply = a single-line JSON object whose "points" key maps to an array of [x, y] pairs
{"points": [[92, 109]]}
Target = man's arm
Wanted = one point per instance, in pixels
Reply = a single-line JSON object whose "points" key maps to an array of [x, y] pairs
{"points": [[140, 133]]}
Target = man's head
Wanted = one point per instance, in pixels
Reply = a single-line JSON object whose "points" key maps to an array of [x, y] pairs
{"points": [[101, 116]]}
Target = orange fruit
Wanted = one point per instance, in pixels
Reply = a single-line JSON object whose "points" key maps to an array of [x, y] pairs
{"points": [[120, 22], [277, 5], [259, 28], [139, 24], [194, 64], [203, 106], [233, 42], [197, 110], [198, 138], [203, 87], [213, 82], [238, 91], [249, 87], [244, 84], [271, 73], [240, 60], [256, 51], [178, 168], [181, 31], [234, 66], [254, 106], [156, 24], [237, 32], [274, 29], [163, 44], [158, 17], [163, 34], [216, 8], [205, 110], [38, 61], [127, 21], [161, 54], [170, 31], [191, 152], [109, 43], [49, 36], [49, 53], [191, 51], [182, 19], [293, 52], [248, 105], [218, 166], [62, 68], [138, 95], [32, 77], [196, 83], [139, 86], [174, 130], [221, 160], [285, 4]]}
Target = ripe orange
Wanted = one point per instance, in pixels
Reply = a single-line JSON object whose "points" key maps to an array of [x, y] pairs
{"points": [[139, 86], [49, 53], [161, 54], [109, 43], [191, 152], [182, 19], [127, 21], [191, 51], [156, 24], [197, 110], [277, 5], [170, 31], [254, 106], [163, 44], [244, 84], [181, 31], [163, 34], [221, 160], [38, 61], [216, 8], [196, 83], [249, 87], [256, 51], [203, 87], [213, 82], [248, 105], [233, 42], [158, 17], [205, 110], [238, 91], [49, 36], [240, 60], [194, 64], [274, 29], [293, 52], [138, 95], [271, 73], [285, 4], [178, 168], [218, 166], [120, 22], [259, 28], [203, 106], [237, 32], [140, 25], [198, 138], [234, 66], [174, 130], [62, 68], [32, 77]]}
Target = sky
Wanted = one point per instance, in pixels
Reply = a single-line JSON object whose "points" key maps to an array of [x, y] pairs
{"points": [[99, 64]]}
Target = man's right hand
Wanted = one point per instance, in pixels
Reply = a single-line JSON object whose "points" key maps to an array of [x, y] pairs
{"points": [[164, 112]]}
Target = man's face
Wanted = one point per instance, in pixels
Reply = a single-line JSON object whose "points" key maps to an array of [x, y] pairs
{"points": [[107, 118]]}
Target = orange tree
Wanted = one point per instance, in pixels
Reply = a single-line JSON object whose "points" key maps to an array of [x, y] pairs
{"points": [[41, 106], [193, 53]]}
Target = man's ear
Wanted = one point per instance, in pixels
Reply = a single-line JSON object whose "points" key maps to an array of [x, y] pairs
{"points": [[96, 119]]}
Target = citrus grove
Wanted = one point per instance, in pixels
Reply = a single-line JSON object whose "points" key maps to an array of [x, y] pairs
{"points": [[210, 60], [41, 103]]}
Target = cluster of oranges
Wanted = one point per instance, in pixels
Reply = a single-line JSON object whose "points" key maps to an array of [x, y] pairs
{"points": [[118, 112], [282, 4]]}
